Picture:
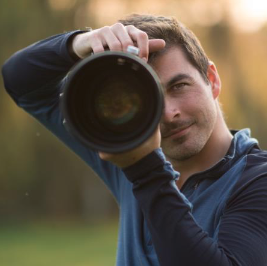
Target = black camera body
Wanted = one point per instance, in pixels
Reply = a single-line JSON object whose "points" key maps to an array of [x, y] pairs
{"points": [[112, 101]]}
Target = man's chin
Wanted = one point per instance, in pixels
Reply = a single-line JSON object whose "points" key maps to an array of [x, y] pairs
{"points": [[168, 145], [180, 150]]}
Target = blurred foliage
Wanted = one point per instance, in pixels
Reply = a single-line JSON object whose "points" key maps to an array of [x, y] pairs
{"points": [[39, 177]]}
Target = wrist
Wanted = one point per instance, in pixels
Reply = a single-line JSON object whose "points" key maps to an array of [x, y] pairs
{"points": [[80, 44], [70, 46], [76, 43]]}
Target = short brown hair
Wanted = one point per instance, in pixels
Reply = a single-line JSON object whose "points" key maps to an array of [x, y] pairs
{"points": [[174, 33]]}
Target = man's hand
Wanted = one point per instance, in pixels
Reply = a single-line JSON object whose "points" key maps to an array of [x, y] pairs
{"points": [[116, 38], [128, 158]]}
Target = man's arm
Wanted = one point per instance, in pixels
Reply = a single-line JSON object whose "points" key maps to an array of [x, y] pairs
{"points": [[177, 237], [37, 72], [37, 66], [35, 76]]}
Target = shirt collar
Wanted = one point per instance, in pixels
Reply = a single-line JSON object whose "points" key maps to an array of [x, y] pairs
{"points": [[241, 144]]}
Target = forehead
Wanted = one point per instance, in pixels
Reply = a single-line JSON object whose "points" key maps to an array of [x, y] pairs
{"points": [[172, 62]]}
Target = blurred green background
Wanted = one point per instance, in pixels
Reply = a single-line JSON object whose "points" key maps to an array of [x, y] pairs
{"points": [[53, 209]]}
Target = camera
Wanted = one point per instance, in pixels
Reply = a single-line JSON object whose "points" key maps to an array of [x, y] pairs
{"points": [[112, 101]]}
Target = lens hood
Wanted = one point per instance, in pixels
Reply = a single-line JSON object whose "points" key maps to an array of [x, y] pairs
{"points": [[112, 101]]}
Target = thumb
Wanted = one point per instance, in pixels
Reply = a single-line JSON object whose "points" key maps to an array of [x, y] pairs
{"points": [[156, 45]]}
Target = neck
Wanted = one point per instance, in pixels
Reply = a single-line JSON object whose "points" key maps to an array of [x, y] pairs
{"points": [[214, 150]]}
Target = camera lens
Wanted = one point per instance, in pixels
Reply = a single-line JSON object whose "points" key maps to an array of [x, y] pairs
{"points": [[112, 102], [117, 102]]}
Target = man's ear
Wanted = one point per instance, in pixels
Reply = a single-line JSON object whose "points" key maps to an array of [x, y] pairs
{"points": [[214, 80]]}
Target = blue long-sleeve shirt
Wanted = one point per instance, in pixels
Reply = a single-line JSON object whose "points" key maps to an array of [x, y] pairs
{"points": [[219, 217]]}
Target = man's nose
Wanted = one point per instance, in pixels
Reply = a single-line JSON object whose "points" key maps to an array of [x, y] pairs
{"points": [[171, 111]]}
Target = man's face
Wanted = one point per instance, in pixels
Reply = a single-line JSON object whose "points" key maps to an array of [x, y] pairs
{"points": [[190, 110]]}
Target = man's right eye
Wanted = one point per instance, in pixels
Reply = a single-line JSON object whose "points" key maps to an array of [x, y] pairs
{"points": [[178, 87]]}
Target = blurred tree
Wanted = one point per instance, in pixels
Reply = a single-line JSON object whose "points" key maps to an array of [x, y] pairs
{"points": [[37, 176]]}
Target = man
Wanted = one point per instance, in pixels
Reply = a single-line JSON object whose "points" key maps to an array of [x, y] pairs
{"points": [[210, 210]]}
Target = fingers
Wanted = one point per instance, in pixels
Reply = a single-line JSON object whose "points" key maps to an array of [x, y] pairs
{"points": [[118, 37], [123, 36], [115, 38], [141, 39]]}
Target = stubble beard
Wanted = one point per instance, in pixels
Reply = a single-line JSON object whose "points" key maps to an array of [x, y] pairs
{"points": [[182, 149], [187, 146]]}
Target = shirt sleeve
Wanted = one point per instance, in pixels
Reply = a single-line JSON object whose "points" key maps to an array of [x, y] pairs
{"points": [[34, 78], [176, 236]]}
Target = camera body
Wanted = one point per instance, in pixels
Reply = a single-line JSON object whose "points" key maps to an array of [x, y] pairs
{"points": [[112, 101]]}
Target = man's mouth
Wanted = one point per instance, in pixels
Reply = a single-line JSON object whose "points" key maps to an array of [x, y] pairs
{"points": [[177, 132]]}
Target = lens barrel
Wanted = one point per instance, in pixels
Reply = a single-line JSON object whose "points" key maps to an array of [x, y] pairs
{"points": [[112, 101]]}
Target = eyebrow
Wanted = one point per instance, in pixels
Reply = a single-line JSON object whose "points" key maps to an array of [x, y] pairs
{"points": [[177, 78]]}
